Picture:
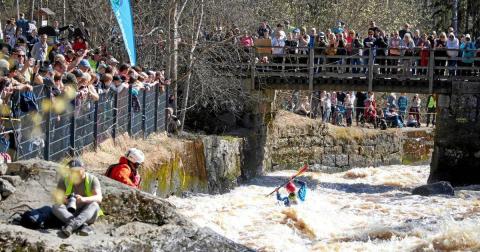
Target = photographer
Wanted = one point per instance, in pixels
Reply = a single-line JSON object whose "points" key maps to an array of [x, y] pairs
{"points": [[81, 195]]}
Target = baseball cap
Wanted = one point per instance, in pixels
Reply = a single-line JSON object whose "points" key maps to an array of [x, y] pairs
{"points": [[321, 34], [84, 63], [76, 164]]}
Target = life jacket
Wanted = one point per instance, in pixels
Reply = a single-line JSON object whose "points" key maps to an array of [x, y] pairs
{"points": [[88, 188], [431, 103]]}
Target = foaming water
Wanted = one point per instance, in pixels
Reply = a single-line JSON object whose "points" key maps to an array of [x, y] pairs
{"points": [[368, 209]]}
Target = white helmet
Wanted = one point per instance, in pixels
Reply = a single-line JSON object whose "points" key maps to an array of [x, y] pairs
{"points": [[135, 155]]}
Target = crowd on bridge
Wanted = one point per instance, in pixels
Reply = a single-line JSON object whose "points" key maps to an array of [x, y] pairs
{"points": [[343, 108], [456, 52], [63, 60]]}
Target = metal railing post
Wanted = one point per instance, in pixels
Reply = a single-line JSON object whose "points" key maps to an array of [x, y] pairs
{"points": [[431, 64], [114, 115], [155, 115], [144, 115], [370, 69], [47, 116], [311, 61], [95, 126], [130, 117], [73, 127]]}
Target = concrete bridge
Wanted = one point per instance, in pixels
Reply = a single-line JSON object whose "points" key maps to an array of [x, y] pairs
{"points": [[456, 156]]}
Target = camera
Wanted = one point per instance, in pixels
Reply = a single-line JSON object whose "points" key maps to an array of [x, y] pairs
{"points": [[72, 203]]}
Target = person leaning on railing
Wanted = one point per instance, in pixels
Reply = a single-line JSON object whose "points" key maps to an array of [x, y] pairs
{"points": [[440, 52], [452, 51], [468, 53], [394, 50]]}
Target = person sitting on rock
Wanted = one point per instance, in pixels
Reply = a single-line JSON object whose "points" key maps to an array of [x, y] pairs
{"points": [[87, 193], [126, 171], [411, 121], [293, 193]]}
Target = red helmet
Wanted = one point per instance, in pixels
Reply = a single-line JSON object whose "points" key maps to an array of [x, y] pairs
{"points": [[290, 187]]}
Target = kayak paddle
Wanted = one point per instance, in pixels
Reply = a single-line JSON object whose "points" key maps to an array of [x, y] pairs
{"points": [[302, 170]]}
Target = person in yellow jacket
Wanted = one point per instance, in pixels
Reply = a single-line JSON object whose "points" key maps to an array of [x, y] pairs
{"points": [[431, 109], [84, 190]]}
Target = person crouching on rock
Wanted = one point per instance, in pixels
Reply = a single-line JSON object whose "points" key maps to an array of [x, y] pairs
{"points": [[126, 171], [82, 196], [293, 193]]}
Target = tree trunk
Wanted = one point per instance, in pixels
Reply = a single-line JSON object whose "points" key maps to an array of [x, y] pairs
{"points": [[186, 91], [64, 12], [32, 10], [174, 55]]}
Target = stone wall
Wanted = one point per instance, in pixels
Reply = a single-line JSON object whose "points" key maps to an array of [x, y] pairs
{"points": [[204, 164], [293, 140]]}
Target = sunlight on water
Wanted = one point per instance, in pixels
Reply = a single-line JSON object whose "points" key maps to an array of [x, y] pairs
{"points": [[369, 209]]}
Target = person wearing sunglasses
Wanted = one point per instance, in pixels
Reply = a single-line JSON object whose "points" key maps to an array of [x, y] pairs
{"points": [[126, 171]]}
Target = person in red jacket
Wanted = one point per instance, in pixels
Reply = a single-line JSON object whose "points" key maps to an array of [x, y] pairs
{"points": [[126, 171]]}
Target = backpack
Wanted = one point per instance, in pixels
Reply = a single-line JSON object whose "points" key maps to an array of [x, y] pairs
{"points": [[28, 102], [40, 218], [109, 170]]}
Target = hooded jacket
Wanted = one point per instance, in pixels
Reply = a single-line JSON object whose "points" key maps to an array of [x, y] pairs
{"points": [[123, 173], [452, 44]]}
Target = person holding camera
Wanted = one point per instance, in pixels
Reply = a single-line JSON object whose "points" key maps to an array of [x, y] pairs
{"points": [[81, 195]]}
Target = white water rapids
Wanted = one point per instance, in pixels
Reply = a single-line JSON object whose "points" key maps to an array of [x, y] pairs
{"points": [[364, 209]]}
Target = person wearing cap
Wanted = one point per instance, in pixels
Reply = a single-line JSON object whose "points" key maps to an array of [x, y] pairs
{"points": [[293, 194], [87, 191], [126, 171], [84, 66]]}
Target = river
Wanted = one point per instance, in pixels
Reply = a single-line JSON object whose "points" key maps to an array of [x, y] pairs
{"points": [[364, 209]]}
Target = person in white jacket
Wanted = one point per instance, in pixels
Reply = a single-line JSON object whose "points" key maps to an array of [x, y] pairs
{"points": [[452, 52]]}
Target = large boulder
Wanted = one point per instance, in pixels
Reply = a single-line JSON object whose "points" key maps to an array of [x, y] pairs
{"points": [[133, 221], [438, 188], [14, 180], [6, 188]]}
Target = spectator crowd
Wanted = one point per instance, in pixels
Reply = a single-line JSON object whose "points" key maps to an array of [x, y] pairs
{"points": [[455, 55], [344, 108], [64, 62], [455, 52]]}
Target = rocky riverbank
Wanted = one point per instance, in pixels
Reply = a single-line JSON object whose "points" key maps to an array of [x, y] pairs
{"points": [[134, 221], [199, 164]]}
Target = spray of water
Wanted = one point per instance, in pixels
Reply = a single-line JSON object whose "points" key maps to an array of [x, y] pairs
{"points": [[369, 209]]}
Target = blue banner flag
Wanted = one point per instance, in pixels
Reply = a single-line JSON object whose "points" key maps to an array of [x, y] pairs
{"points": [[123, 12]]}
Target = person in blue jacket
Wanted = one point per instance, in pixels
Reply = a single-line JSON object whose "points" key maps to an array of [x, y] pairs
{"points": [[293, 194]]}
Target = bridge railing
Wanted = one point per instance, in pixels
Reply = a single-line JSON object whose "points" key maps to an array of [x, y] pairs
{"points": [[429, 65]]}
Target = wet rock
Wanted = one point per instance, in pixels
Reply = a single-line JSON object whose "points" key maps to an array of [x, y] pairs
{"points": [[6, 188], [438, 188], [133, 221]]}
